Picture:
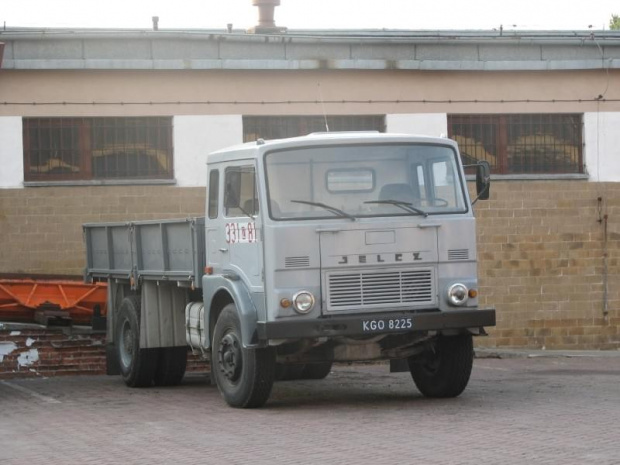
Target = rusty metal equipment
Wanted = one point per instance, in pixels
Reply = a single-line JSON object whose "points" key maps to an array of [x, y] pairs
{"points": [[73, 302]]}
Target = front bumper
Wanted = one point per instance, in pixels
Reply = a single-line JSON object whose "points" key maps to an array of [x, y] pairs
{"points": [[359, 325]]}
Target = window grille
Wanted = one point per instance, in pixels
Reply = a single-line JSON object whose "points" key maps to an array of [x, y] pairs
{"points": [[60, 149], [279, 127], [521, 143]]}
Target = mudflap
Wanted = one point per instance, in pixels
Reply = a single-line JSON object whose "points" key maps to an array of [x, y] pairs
{"points": [[112, 367]]}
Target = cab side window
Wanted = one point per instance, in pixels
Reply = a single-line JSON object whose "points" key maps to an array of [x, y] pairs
{"points": [[214, 190], [240, 193]]}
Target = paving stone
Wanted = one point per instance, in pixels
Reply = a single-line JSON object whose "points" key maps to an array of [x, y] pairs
{"points": [[540, 410]]}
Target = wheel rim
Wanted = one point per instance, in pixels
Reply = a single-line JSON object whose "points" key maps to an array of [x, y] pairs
{"points": [[432, 366], [230, 358], [126, 346], [432, 363]]}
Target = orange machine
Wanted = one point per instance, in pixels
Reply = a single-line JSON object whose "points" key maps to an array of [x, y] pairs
{"points": [[73, 302]]}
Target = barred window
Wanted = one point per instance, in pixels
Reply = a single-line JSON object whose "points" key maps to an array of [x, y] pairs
{"points": [[520, 144], [280, 127], [61, 149]]}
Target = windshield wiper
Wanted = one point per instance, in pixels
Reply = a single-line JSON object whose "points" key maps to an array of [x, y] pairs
{"points": [[334, 210], [404, 205]]}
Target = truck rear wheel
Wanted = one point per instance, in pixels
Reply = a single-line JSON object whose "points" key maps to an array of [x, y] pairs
{"points": [[137, 366], [171, 366], [444, 372], [244, 376]]}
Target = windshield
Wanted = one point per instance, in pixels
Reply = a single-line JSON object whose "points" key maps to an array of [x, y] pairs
{"points": [[363, 181]]}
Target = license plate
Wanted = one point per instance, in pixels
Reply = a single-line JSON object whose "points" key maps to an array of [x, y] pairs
{"points": [[387, 324]]}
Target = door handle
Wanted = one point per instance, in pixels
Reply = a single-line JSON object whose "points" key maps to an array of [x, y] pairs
{"points": [[223, 250], [328, 230], [429, 225]]}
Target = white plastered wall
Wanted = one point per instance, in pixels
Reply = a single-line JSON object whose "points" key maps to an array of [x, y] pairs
{"points": [[602, 146], [11, 152], [197, 136], [425, 124]]}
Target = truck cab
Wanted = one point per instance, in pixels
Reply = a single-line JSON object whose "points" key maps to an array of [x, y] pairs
{"points": [[333, 247], [358, 246]]}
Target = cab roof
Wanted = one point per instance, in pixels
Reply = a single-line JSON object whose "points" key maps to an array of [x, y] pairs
{"points": [[255, 149]]}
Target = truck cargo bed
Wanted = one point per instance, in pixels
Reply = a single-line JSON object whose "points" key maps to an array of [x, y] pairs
{"points": [[156, 250]]}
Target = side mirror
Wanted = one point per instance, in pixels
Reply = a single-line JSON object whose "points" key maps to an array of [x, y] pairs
{"points": [[483, 180]]}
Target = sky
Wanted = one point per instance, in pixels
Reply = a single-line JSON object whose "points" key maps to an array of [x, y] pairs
{"points": [[313, 14]]}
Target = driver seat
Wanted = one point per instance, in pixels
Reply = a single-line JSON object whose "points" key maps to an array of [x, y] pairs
{"points": [[399, 191]]}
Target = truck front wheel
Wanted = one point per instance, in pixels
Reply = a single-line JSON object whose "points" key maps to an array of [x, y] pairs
{"points": [[244, 376], [137, 365], [317, 370], [445, 371], [289, 372]]}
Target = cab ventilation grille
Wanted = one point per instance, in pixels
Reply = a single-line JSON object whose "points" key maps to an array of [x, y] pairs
{"points": [[458, 254], [296, 262]]}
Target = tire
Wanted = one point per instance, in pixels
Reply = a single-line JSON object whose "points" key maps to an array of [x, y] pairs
{"points": [[289, 372], [171, 366], [243, 376], [137, 366], [317, 370], [446, 372]]}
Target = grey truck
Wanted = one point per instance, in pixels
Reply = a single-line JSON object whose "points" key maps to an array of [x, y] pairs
{"points": [[332, 247]]}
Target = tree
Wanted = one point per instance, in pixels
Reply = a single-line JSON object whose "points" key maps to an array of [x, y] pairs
{"points": [[614, 23]]}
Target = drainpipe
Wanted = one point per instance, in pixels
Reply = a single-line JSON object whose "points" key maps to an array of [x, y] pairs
{"points": [[603, 219], [1, 52], [605, 268]]}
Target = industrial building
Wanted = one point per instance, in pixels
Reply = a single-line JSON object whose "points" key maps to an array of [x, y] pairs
{"points": [[114, 125]]}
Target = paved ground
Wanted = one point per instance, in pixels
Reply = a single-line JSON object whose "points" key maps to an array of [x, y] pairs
{"points": [[537, 410]]}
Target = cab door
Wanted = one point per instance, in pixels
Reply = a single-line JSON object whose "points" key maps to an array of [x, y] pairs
{"points": [[241, 223], [217, 251]]}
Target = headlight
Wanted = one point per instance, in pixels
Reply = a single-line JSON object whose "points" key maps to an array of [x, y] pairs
{"points": [[457, 294], [303, 302]]}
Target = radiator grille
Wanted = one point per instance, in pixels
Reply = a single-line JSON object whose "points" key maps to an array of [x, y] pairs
{"points": [[458, 254], [402, 288]]}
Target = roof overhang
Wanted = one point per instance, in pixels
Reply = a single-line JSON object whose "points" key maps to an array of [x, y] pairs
{"points": [[41, 49]]}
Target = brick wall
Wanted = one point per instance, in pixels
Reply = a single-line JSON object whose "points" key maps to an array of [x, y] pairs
{"points": [[35, 352], [541, 249], [40, 352], [43, 226]]}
